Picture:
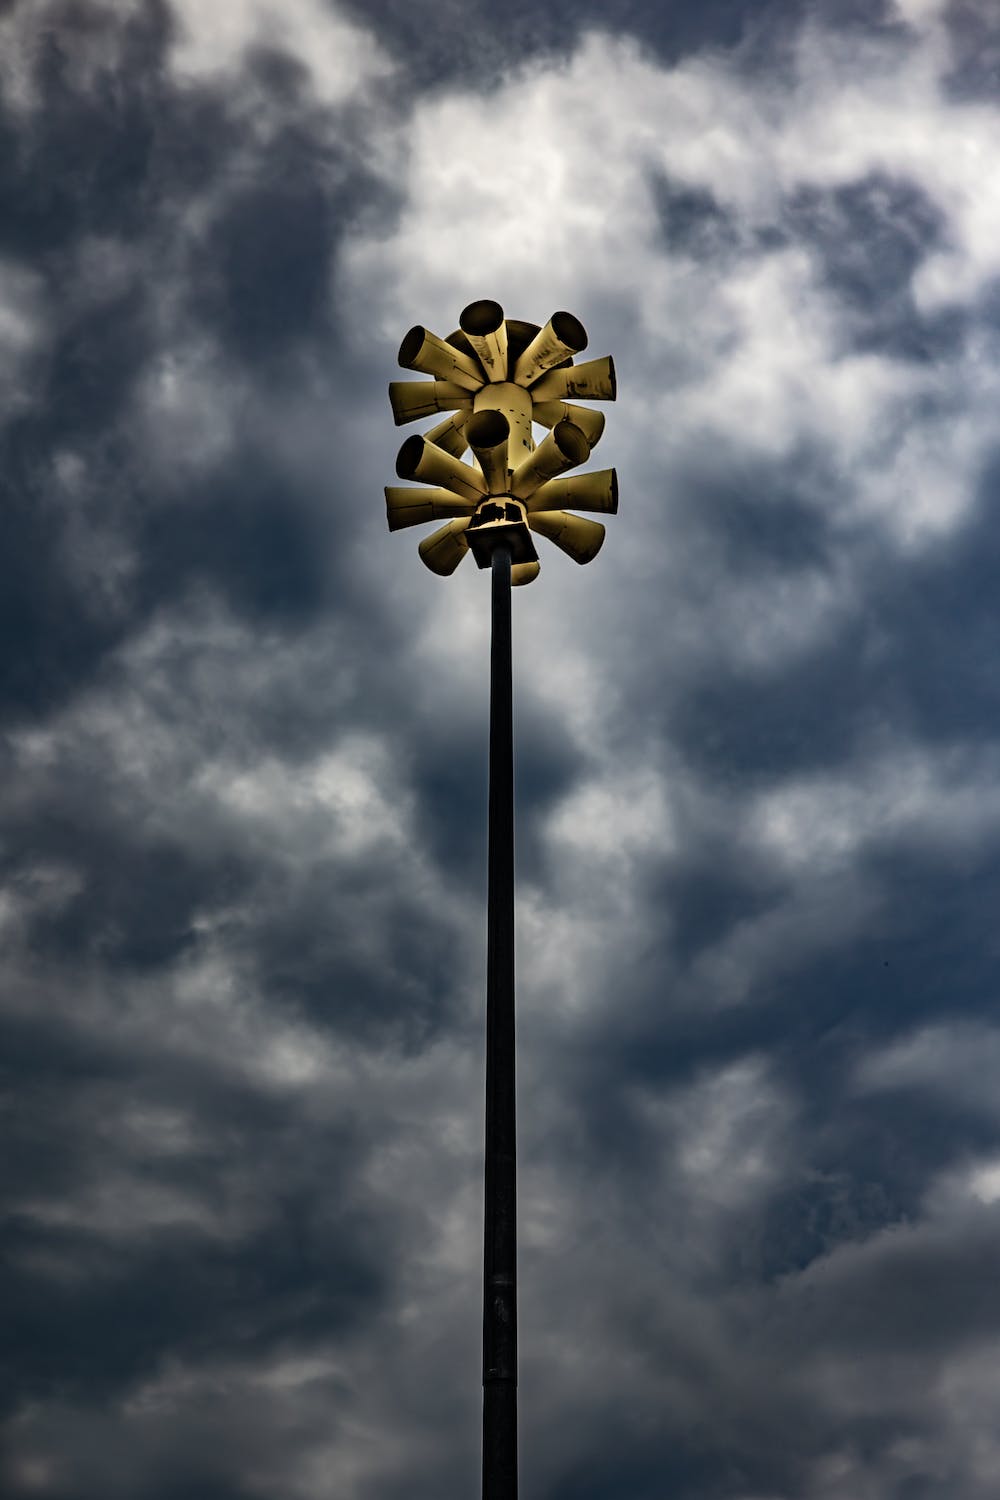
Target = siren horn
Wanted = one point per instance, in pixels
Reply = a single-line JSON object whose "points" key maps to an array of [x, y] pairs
{"points": [[594, 380], [522, 573], [418, 459], [444, 549], [424, 351], [590, 423], [596, 492], [411, 399], [487, 432], [484, 327], [561, 338], [405, 506], [450, 434], [564, 447], [578, 538]]}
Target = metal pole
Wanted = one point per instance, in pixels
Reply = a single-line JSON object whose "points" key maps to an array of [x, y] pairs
{"points": [[500, 1239]]}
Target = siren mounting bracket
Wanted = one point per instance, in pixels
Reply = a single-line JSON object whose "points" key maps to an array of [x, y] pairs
{"points": [[500, 521]]}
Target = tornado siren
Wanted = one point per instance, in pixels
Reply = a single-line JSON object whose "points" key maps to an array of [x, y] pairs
{"points": [[500, 377]]}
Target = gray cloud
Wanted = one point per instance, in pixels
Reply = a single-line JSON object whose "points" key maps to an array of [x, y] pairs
{"points": [[242, 801]]}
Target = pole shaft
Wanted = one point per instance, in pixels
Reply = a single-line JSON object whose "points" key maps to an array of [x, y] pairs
{"points": [[500, 1239]]}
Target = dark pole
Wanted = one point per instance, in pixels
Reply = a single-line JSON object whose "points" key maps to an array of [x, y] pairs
{"points": [[500, 1244]]}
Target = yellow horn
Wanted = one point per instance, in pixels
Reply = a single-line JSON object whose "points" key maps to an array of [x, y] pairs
{"points": [[578, 538], [487, 433], [590, 423], [522, 573], [424, 351], [443, 550], [596, 492], [484, 327], [515, 403], [405, 506], [561, 338], [564, 447], [418, 459], [450, 434], [594, 380], [412, 399]]}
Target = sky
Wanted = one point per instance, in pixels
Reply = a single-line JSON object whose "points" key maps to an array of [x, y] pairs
{"points": [[243, 753]]}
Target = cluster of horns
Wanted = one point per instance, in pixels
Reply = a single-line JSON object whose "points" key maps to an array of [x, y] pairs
{"points": [[496, 377]]}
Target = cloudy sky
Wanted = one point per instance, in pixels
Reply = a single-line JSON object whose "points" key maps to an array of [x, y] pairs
{"points": [[243, 750]]}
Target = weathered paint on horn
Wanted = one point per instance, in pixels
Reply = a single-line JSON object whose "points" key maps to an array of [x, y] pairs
{"points": [[594, 380], [458, 341], [515, 403], [406, 506], [487, 433], [412, 399], [443, 550], [450, 434], [564, 447], [418, 459], [522, 573], [590, 423], [484, 327], [424, 351], [561, 338], [578, 538], [596, 492]]}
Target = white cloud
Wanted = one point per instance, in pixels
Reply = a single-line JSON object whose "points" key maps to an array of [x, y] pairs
{"points": [[957, 1060], [540, 193], [611, 822], [984, 1182], [24, 325], [923, 14], [734, 1136], [341, 59], [346, 802], [946, 800], [125, 1207]]}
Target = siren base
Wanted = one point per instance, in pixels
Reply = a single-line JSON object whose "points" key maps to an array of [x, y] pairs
{"points": [[500, 521]]}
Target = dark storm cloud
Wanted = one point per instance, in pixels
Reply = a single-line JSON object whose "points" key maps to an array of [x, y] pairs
{"points": [[951, 692], [694, 223], [889, 665], [268, 252], [245, 532], [817, 1021], [871, 238], [79, 164], [51, 638], [112, 160], [171, 1253], [405, 996], [974, 36], [241, 816], [919, 953], [94, 1301], [463, 41], [763, 728], [297, 1279]]}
